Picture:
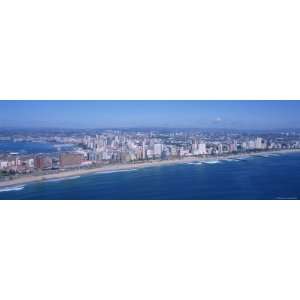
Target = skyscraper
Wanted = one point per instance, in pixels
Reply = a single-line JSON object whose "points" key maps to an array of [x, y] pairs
{"points": [[202, 148], [157, 150], [259, 143]]}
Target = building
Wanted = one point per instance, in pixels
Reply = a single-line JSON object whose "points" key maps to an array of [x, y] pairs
{"points": [[244, 146], [202, 148], [259, 143], [67, 160], [220, 148], [251, 145], [149, 154], [42, 162], [28, 162], [234, 146], [158, 150]]}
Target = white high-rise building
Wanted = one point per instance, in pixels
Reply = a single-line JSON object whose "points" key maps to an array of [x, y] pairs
{"points": [[195, 147], [144, 151], [149, 153], [251, 145], [259, 143], [220, 148], [234, 146], [158, 150], [202, 148]]}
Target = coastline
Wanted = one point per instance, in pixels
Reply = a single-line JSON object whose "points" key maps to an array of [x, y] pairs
{"points": [[131, 166]]}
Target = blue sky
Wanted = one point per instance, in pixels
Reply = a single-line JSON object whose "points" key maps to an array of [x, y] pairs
{"points": [[197, 114]]}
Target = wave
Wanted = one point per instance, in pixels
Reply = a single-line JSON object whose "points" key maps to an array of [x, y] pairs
{"points": [[230, 159], [212, 162], [115, 171], [63, 179], [13, 188], [195, 163], [73, 177], [243, 158]]}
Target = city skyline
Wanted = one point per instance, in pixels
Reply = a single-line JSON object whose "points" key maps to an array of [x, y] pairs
{"points": [[44, 155], [224, 114]]}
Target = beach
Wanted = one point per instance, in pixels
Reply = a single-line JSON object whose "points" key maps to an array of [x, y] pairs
{"points": [[128, 166]]}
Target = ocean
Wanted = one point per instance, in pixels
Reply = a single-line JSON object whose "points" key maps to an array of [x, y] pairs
{"points": [[256, 177], [26, 147], [31, 147]]}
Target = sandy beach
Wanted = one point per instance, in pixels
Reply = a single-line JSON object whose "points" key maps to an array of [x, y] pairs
{"points": [[119, 167]]}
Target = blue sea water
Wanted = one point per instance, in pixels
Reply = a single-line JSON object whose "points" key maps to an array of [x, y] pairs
{"points": [[273, 177], [30, 147], [26, 147]]}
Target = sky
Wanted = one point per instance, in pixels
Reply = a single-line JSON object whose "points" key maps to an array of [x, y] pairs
{"points": [[119, 114]]}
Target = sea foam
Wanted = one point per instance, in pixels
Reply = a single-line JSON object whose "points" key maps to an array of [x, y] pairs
{"points": [[115, 171], [212, 162], [63, 179], [230, 159], [13, 188]]}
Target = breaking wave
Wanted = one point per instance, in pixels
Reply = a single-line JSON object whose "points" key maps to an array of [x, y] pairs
{"points": [[13, 188], [212, 162], [115, 171], [230, 159], [63, 179]]}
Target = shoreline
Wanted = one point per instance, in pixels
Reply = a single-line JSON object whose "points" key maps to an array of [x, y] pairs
{"points": [[130, 166]]}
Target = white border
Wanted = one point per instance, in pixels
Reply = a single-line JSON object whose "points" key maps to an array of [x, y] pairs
{"points": [[149, 250], [149, 50], [162, 49]]}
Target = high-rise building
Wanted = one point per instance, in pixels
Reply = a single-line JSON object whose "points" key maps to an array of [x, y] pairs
{"points": [[234, 146], [149, 154], [264, 144], [202, 148], [259, 143], [251, 145], [144, 151], [70, 159], [42, 162], [195, 147], [158, 150], [220, 148]]}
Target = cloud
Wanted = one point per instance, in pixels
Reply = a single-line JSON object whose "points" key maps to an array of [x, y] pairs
{"points": [[217, 120]]}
